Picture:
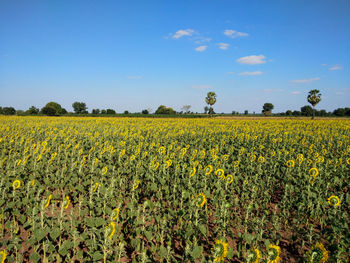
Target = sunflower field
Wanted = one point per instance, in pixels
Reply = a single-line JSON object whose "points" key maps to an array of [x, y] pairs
{"points": [[174, 190]]}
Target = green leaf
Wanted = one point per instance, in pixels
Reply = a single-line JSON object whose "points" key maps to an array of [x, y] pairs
{"points": [[148, 235], [80, 255], [203, 229], [197, 251], [162, 252], [54, 233], [230, 253], [35, 257], [97, 256], [40, 234]]}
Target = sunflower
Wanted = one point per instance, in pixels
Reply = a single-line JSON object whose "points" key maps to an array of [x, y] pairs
{"points": [[290, 163], [220, 173], [220, 250], [16, 184], [104, 170], [168, 163], [193, 171], [33, 182], [66, 202], [161, 150], [348, 161], [115, 213], [318, 254], [96, 186], [252, 157], [112, 229], [208, 169], [334, 200], [48, 201], [313, 172], [201, 200], [2, 256], [229, 178], [254, 256], [225, 157], [136, 184], [155, 166], [274, 252], [261, 159], [236, 164], [132, 157]]}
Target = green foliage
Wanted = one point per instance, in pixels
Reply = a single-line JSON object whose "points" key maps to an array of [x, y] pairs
{"points": [[145, 112], [306, 110], [165, 110], [32, 111], [8, 111], [110, 111], [79, 107], [267, 108], [210, 99], [53, 109]]}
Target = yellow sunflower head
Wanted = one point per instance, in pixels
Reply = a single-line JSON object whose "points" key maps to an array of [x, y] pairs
{"points": [[334, 200], [261, 159], [201, 200], [193, 171], [3, 256], [290, 163], [136, 184], [208, 169], [220, 173], [313, 172], [274, 252], [220, 250], [104, 170], [254, 256], [236, 163], [229, 178], [318, 254], [16, 184]]}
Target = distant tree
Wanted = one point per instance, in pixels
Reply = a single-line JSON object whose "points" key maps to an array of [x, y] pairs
{"points": [[210, 100], [103, 112], [289, 113], [267, 108], [306, 110], [296, 113], [52, 109], [33, 111], [339, 112], [145, 112], [323, 113], [246, 112], [234, 112], [165, 110], [1, 110], [313, 98], [95, 111], [126, 112], [206, 109], [79, 107], [20, 112], [9, 111], [186, 108], [110, 111]]}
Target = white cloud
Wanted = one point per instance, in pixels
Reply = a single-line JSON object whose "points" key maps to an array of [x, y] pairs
{"points": [[252, 60], [201, 48], [201, 40], [183, 32], [223, 46], [336, 67], [201, 87], [305, 80], [253, 73], [134, 77], [272, 90], [295, 92], [234, 34]]}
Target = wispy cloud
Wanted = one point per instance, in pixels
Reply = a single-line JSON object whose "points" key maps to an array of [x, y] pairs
{"points": [[324, 65], [272, 90], [223, 46], [201, 87], [252, 60], [201, 40], [201, 48], [295, 92], [305, 80], [336, 67], [183, 32], [252, 73], [134, 77], [234, 34]]}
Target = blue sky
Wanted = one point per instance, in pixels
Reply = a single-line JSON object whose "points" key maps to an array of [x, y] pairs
{"points": [[134, 55]]}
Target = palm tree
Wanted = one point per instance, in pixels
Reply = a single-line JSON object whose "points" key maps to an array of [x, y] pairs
{"points": [[210, 100], [313, 98]]}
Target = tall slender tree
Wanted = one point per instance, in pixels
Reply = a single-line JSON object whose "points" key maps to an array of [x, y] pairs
{"points": [[313, 98], [210, 100]]}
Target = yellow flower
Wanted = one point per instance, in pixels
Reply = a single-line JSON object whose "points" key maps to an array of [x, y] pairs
{"points": [[236, 164], [318, 254], [201, 200], [274, 254], [136, 184], [96, 186], [33, 182], [313, 172], [155, 166], [168, 163], [254, 256], [220, 173], [161, 150], [16, 184], [229, 178], [18, 162], [2, 256], [48, 201], [115, 213], [132, 157], [225, 157], [66, 202], [220, 250], [193, 171], [208, 169], [112, 227], [252, 158], [104, 170], [334, 200], [290, 163], [261, 159], [348, 161]]}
